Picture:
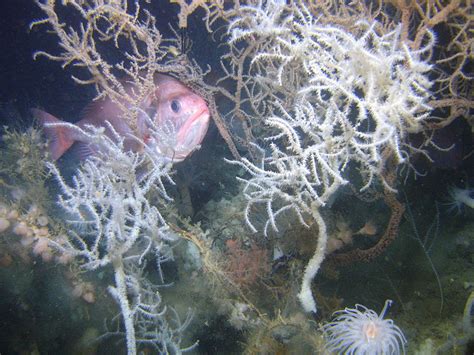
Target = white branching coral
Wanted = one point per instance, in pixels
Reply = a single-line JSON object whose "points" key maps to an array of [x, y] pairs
{"points": [[334, 98], [115, 224], [264, 19], [378, 87], [302, 175]]}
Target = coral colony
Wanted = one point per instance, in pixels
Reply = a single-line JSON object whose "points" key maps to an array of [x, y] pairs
{"points": [[114, 223], [362, 94], [332, 100]]}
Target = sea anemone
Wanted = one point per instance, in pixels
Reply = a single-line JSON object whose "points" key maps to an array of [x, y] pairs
{"points": [[361, 330], [460, 197]]}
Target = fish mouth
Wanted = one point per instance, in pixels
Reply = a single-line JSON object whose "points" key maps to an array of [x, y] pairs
{"points": [[191, 134], [186, 139], [200, 116]]}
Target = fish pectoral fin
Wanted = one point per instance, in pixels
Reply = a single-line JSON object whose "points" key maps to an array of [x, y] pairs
{"points": [[60, 138]]}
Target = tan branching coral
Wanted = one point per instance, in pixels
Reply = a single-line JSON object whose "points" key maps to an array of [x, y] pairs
{"points": [[213, 9], [454, 20], [130, 31], [108, 22]]}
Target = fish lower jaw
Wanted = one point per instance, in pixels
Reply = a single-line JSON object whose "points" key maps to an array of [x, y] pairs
{"points": [[191, 136], [186, 140]]}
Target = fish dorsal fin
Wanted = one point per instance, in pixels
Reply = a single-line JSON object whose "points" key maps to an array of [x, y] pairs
{"points": [[90, 108]]}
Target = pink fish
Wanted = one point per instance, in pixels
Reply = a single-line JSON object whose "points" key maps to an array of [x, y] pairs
{"points": [[180, 117]]}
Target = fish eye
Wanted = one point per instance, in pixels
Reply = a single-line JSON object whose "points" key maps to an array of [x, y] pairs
{"points": [[175, 106]]}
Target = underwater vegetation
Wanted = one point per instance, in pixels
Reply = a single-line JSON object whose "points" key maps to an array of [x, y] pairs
{"points": [[252, 176]]}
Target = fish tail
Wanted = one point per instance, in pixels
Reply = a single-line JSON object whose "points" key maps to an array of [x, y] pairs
{"points": [[60, 138]]}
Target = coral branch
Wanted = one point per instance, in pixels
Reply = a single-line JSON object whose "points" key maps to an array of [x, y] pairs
{"points": [[113, 223], [332, 97]]}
